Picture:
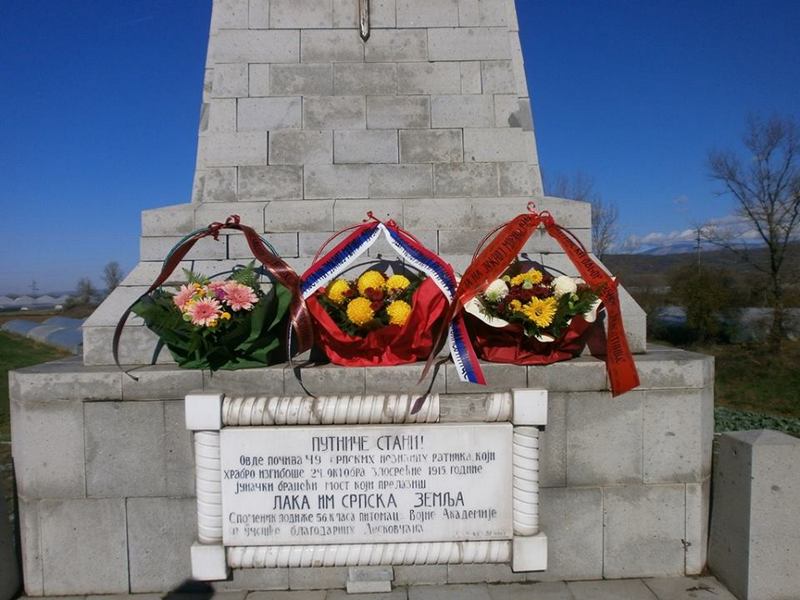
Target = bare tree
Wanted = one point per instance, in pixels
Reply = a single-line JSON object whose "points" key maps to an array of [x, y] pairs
{"points": [[84, 292], [604, 214], [765, 185], [112, 276]]}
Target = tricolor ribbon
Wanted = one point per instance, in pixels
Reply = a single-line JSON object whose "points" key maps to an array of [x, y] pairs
{"points": [[299, 319], [327, 268], [493, 260]]}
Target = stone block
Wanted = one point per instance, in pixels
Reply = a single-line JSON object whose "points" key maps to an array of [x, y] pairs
{"points": [[109, 312], [678, 428], [251, 213], [179, 451], [349, 212], [95, 529], [604, 438], [300, 147], [255, 46], [428, 238], [156, 248], [754, 545], [284, 243], [299, 215], [422, 13], [266, 381], [168, 220], [429, 78], [644, 531], [499, 378], [160, 530], [136, 347], [555, 590], [434, 145], [301, 80], [698, 500], [30, 551], [364, 78], [519, 179], [218, 115], [54, 469], [334, 112], [449, 592], [400, 181], [365, 146], [609, 590], [397, 112], [377, 590], [125, 449], [232, 149], [403, 379], [337, 181], [330, 45], [300, 14], [482, 13], [325, 380], [420, 575], [211, 185], [497, 145], [258, 84], [317, 578], [258, 15], [583, 374], [518, 64], [507, 112], [497, 77], [229, 14], [471, 77], [553, 443], [230, 81], [688, 588], [397, 45], [475, 110], [261, 114], [468, 43], [466, 179], [161, 383], [573, 520], [482, 573], [478, 214], [658, 371], [271, 183]]}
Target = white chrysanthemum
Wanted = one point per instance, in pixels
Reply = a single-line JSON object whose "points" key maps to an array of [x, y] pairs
{"points": [[564, 285], [496, 291]]}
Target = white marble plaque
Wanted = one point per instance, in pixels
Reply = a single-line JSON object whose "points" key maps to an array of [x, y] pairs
{"points": [[366, 484]]}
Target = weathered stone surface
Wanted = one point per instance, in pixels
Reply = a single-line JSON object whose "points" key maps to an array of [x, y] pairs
{"points": [[400, 181], [30, 546], [258, 84], [233, 149], [271, 183], [64, 379], [688, 588], [318, 578], [261, 114], [334, 112], [497, 145], [429, 78], [397, 45], [218, 115], [156, 248], [468, 43], [230, 81], [285, 244], [519, 179], [301, 80], [397, 112], [604, 438], [299, 215], [573, 520], [264, 579], [610, 590], [337, 181], [255, 46], [328, 45], [420, 575], [352, 211], [435, 145], [419, 13], [211, 185], [499, 377], [471, 77], [325, 380], [487, 573], [258, 14], [449, 592], [531, 591], [229, 14], [364, 589], [484, 13], [160, 530], [293, 14], [365, 146], [125, 449], [179, 452], [465, 179], [497, 77], [252, 214], [462, 111], [365, 78], [300, 147], [553, 440], [644, 529], [161, 382], [266, 380], [97, 528], [698, 500]]}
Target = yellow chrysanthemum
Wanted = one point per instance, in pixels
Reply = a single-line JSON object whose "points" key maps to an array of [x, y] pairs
{"points": [[533, 276], [541, 312], [515, 306], [336, 291], [370, 279], [397, 283], [225, 316], [398, 312], [360, 312]]}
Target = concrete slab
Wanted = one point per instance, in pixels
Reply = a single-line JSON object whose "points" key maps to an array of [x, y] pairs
{"points": [[688, 588], [631, 589]]}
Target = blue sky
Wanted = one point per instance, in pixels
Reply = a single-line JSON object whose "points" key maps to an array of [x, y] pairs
{"points": [[99, 105]]}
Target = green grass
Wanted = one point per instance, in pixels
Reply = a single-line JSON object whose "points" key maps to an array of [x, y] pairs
{"points": [[17, 352]]}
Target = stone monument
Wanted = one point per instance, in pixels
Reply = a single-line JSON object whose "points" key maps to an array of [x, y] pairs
{"points": [[305, 127]]}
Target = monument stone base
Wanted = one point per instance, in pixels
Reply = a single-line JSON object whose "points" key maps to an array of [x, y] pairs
{"points": [[106, 473]]}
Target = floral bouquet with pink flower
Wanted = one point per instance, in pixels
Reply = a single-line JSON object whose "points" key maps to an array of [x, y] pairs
{"points": [[229, 324]]}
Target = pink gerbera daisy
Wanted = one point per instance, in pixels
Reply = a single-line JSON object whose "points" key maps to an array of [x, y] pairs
{"points": [[239, 296], [183, 296], [205, 311]]}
